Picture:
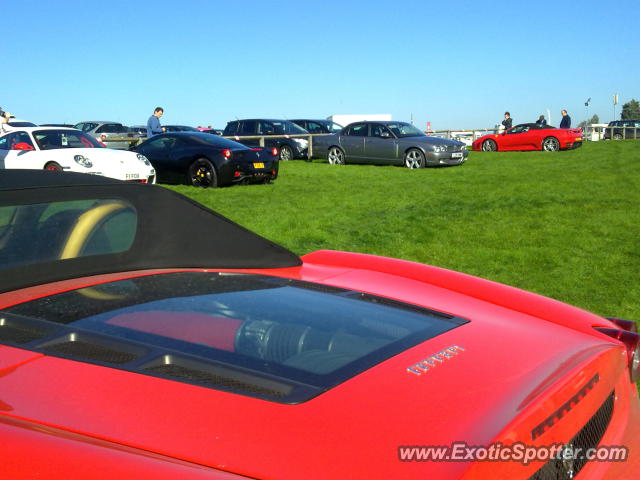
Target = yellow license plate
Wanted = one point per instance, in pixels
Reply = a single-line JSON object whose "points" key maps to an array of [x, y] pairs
{"points": [[258, 165], [579, 139]]}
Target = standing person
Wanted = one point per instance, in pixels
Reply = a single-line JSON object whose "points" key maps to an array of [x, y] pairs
{"points": [[153, 124], [4, 119], [566, 120], [541, 122], [507, 122]]}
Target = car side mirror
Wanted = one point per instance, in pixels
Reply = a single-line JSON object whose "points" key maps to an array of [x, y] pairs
{"points": [[385, 135], [22, 146]]}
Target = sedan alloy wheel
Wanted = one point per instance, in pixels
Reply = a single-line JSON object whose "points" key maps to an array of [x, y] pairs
{"points": [[336, 156], [285, 153], [414, 158]]}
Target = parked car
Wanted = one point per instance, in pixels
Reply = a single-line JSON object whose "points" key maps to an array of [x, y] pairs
{"points": [[145, 336], [289, 148], [103, 131], [13, 124], [179, 128], [632, 129], [65, 125], [206, 160], [318, 126], [55, 148], [529, 136], [139, 131], [214, 131], [388, 142]]}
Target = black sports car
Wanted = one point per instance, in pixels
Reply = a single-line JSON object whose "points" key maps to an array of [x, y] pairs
{"points": [[206, 160]]}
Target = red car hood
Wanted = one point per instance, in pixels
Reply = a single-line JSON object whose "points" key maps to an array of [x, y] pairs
{"points": [[511, 370]]}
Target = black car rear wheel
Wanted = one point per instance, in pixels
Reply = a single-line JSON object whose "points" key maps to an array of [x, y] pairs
{"points": [[336, 156], [286, 153], [203, 174], [489, 145], [617, 136], [414, 158]]}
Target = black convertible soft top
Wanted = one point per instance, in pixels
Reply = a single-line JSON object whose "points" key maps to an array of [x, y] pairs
{"points": [[169, 230]]}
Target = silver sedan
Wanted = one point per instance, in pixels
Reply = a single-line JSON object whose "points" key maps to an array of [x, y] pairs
{"points": [[389, 142]]}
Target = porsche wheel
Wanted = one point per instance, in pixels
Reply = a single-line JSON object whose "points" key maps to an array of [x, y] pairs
{"points": [[336, 156], [550, 144], [414, 158], [203, 174], [53, 166], [286, 153], [489, 145]]}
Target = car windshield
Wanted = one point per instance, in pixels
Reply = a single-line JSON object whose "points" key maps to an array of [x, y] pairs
{"points": [[287, 128], [56, 139], [282, 339], [402, 130]]}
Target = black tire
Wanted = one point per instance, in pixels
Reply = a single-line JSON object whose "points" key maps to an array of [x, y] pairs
{"points": [[286, 153], [489, 145], [53, 166], [414, 158], [550, 144], [202, 173], [336, 156]]}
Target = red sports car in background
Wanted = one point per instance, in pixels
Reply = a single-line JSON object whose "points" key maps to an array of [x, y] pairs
{"points": [[179, 345], [529, 136]]}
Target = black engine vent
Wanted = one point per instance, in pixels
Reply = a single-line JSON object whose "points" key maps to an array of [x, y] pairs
{"points": [[217, 376], [92, 348], [18, 330], [588, 437]]}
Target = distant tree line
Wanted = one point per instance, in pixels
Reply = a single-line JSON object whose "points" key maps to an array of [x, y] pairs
{"points": [[594, 119], [631, 110]]}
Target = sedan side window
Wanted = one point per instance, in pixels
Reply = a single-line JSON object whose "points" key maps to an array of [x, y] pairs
{"points": [[249, 127], [85, 127], [358, 130], [265, 128], [109, 128], [379, 131], [232, 128], [4, 144], [313, 127]]}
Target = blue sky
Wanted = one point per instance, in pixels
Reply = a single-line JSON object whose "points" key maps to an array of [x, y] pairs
{"points": [[455, 64]]}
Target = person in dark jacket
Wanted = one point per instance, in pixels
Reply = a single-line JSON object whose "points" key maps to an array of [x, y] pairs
{"points": [[507, 122], [566, 120], [541, 122]]}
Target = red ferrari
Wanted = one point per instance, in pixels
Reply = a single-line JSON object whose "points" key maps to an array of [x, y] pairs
{"points": [[530, 136], [145, 336]]}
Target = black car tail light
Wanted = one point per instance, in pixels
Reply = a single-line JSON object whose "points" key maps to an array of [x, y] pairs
{"points": [[274, 151], [226, 153], [627, 325], [631, 341]]}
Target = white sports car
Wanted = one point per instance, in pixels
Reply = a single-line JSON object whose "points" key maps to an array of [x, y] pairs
{"points": [[56, 148]]}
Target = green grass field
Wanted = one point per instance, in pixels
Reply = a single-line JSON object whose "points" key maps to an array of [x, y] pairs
{"points": [[564, 224]]}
